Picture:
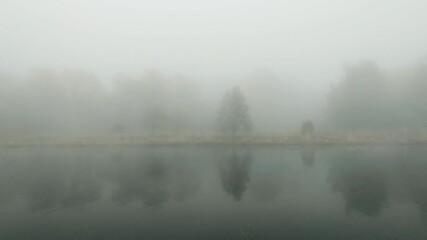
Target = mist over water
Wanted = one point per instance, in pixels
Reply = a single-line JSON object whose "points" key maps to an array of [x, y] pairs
{"points": [[181, 193], [224, 119]]}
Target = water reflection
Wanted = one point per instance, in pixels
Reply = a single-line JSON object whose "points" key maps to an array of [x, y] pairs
{"points": [[84, 186], [54, 183], [10, 182], [413, 170], [360, 181], [47, 181], [198, 190], [234, 168], [308, 155], [153, 180], [269, 182]]}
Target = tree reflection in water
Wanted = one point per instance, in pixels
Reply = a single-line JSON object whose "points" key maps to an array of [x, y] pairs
{"points": [[234, 172], [413, 170], [154, 180], [361, 182], [308, 155], [50, 183]]}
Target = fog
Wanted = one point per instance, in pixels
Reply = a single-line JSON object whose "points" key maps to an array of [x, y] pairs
{"points": [[164, 67]]}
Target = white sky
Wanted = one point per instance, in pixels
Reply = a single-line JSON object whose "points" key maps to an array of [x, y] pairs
{"points": [[309, 40]]}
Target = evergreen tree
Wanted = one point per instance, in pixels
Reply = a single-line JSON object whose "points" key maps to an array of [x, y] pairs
{"points": [[233, 116], [307, 128]]}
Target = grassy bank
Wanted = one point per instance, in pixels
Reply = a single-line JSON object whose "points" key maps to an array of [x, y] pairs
{"points": [[283, 139]]}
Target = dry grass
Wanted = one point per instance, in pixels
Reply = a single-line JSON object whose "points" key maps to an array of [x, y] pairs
{"points": [[296, 139]]}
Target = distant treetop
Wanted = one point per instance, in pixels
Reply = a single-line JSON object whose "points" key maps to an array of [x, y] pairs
{"points": [[233, 115]]}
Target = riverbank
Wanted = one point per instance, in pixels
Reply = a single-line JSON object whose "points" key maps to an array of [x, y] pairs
{"points": [[167, 140]]}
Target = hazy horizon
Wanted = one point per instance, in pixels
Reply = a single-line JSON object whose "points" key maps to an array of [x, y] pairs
{"points": [[286, 56], [305, 40]]}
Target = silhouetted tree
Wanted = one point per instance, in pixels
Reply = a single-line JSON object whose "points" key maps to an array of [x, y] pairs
{"points": [[358, 100], [307, 128], [233, 115], [183, 102], [154, 90], [414, 104], [117, 129]]}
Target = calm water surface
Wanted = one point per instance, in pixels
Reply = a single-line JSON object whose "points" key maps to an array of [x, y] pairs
{"points": [[214, 193]]}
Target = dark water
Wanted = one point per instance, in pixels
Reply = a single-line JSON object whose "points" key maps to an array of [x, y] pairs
{"points": [[214, 193]]}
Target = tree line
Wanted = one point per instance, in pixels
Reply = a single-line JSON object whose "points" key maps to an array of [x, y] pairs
{"points": [[76, 102], [371, 98]]}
